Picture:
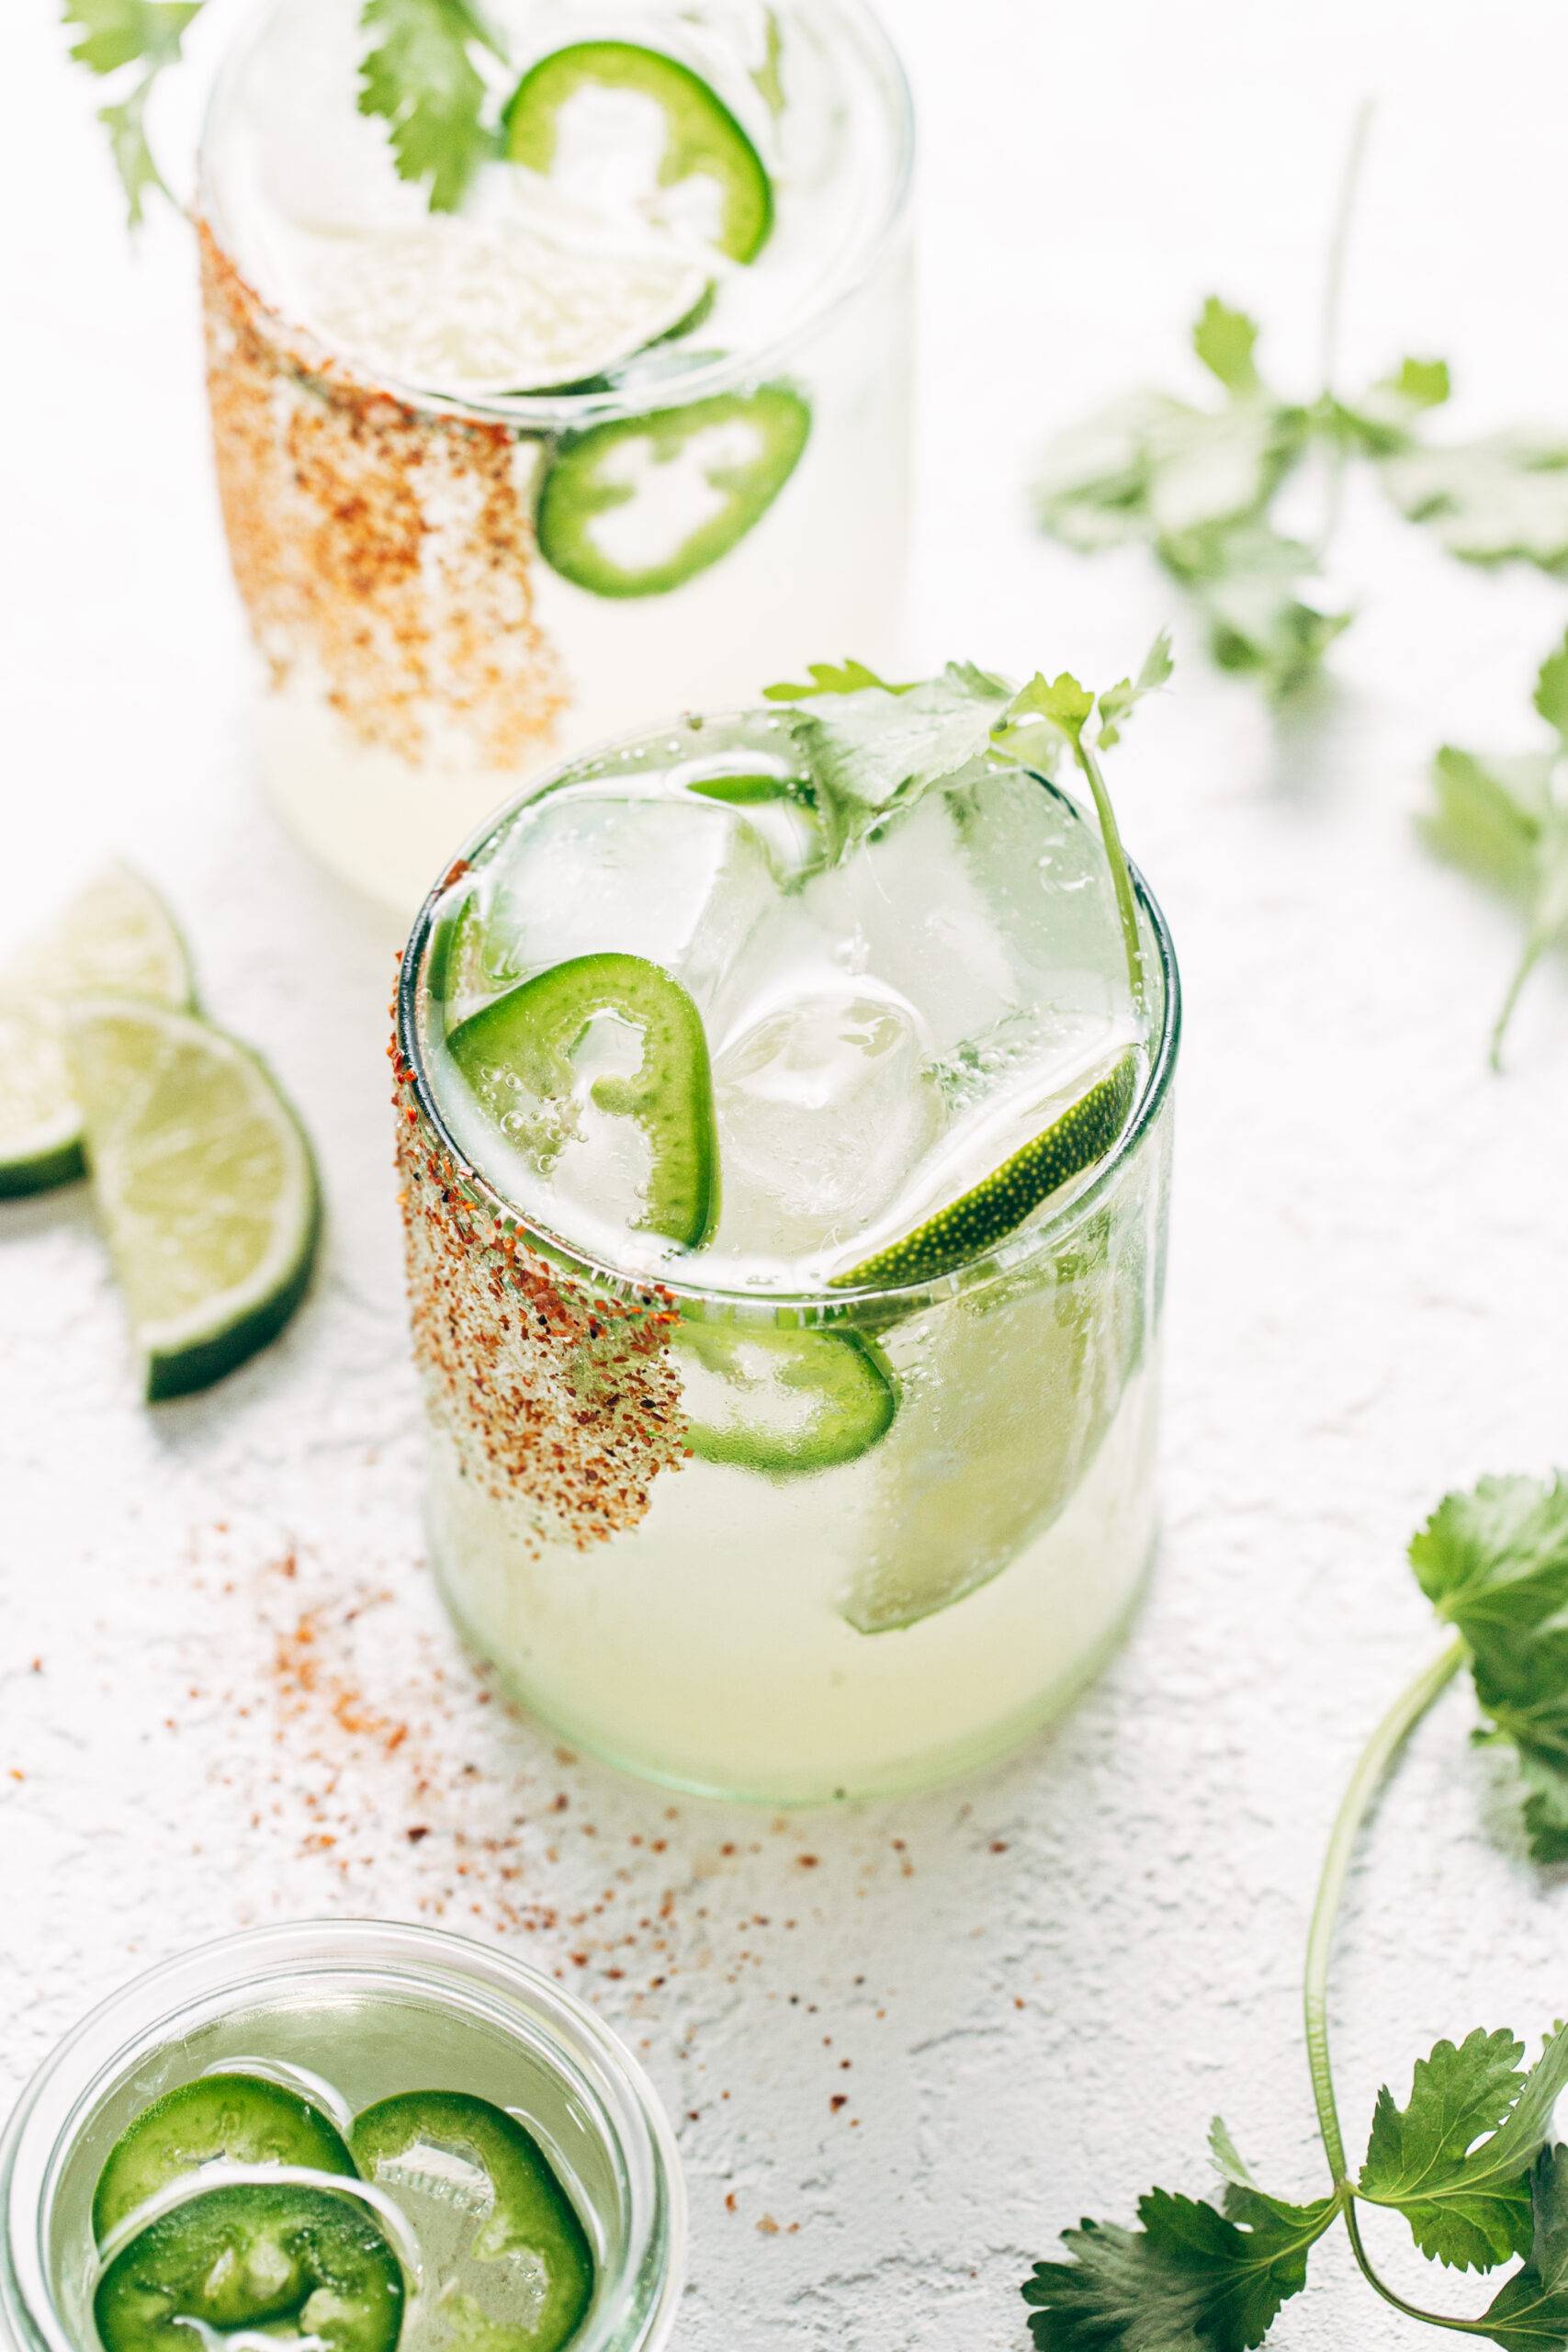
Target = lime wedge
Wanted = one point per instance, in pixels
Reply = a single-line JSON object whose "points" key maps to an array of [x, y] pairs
{"points": [[1082, 1134], [116, 933], [452, 305], [204, 1180]]}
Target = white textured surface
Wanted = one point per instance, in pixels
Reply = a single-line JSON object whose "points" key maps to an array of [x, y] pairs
{"points": [[1041, 1984]]}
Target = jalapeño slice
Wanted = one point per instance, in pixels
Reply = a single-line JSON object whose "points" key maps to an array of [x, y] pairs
{"points": [[490, 2177], [523, 1042], [1082, 1134], [610, 515], [298, 2263], [783, 1402], [702, 137], [234, 2118]]}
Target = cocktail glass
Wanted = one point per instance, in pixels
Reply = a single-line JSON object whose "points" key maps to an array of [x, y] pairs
{"points": [[718, 1516], [452, 585]]}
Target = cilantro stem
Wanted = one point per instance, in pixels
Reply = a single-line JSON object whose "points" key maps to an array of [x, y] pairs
{"points": [[1333, 279], [1527, 963], [1365, 1781], [1121, 874]]}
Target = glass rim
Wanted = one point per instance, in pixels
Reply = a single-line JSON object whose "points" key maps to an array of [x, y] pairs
{"points": [[751, 1304], [151, 2003], [558, 411]]}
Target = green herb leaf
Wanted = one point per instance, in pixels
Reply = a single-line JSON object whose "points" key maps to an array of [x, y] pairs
{"points": [[1466, 2196], [1118, 703], [847, 677], [129, 32], [420, 76], [1225, 340], [876, 749], [1493, 1563], [117, 33], [1505, 819], [1530, 2314], [1191, 2274], [1489, 501]]}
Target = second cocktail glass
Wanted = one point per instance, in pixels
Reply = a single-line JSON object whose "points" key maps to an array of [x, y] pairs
{"points": [[492, 476]]}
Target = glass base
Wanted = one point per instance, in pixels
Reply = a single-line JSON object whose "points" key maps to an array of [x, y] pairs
{"points": [[932, 1770]]}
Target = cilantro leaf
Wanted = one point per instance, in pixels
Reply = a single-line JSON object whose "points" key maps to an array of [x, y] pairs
{"points": [[129, 32], [420, 76], [846, 677], [1225, 340], [1494, 1564], [1506, 819], [1489, 501], [1466, 2196], [118, 33], [1382, 422], [1190, 2276], [1530, 2314], [873, 750]]}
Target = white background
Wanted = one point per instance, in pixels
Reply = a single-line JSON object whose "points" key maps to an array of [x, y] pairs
{"points": [[1044, 1982]]}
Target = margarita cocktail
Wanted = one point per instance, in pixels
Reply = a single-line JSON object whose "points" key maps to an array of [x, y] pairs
{"points": [[784, 1168], [340, 2138], [493, 474]]}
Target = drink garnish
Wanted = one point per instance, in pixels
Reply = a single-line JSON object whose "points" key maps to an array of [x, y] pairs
{"points": [[1468, 2160], [600, 514], [433, 2144], [781, 1402], [203, 1179], [702, 140], [516, 1054], [115, 933], [234, 2118], [285, 2260], [994, 1209]]}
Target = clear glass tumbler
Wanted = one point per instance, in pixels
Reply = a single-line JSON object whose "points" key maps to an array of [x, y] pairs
{"points": [[370, 2010], [884, 1613], [451, 585]]}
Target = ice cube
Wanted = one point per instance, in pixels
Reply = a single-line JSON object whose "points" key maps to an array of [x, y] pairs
{"points": [[906, 909], [683, 882], [824, 1109], [470, 2296]]}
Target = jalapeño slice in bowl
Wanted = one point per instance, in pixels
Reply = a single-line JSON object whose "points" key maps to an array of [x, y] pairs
{"points": [[485, 2201], [991, 1209], [516, 1054], [297, 2263], [232, 2119], [700, 139], [784, 1403], [614, 505]]}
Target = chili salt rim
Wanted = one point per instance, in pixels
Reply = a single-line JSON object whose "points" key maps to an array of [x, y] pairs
{"points": [[741, 1305], [549, 412]]}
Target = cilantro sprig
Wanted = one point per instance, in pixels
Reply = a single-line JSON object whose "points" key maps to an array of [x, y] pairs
{"points": [[1505, 819], [1202, 483], [418, 75], [1467, 2159], [873, 751]]}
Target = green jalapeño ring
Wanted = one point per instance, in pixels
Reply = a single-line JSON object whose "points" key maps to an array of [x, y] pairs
{"points": [[340, 2136], [785, 1223]]}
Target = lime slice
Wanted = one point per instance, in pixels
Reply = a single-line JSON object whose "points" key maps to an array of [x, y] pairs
{"points": [[116, 933], [969, 1226], [293, 2262], [707, 174], [495, 2223], [204, 1180], [452, 305], [230, 2119], [517, 1052], [1005, 1398], [784, 1403], [641, 504]]}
